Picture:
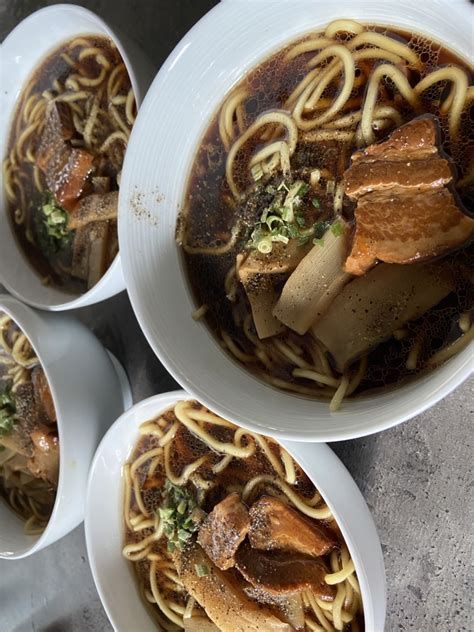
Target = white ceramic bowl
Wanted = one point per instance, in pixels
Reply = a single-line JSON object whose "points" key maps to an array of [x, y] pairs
{"points": [[104, 527], [215, 54], [89, 391], [20, 54]]}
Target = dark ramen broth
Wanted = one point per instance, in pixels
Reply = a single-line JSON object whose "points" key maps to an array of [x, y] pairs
{"points": [[87, 81], [211, 212]]}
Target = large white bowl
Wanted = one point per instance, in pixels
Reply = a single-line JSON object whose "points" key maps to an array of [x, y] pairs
{"points": [[89, 392], [215, 54], [113, 574], [20, 54]]}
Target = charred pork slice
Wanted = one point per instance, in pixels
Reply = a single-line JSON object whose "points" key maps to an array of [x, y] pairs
{"points": [[45, 461], [275, 525], [43, 396], [65, 168], [405, 210], [406, 227], [222, 596], [224, 529], [416, 140], [278, 572]]}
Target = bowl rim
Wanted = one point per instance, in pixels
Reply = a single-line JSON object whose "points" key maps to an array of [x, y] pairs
{"points": [[9, 305], [162, 402], [114, 269], [457, 367]]}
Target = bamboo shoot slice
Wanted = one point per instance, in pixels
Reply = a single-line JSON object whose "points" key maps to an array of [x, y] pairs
{"points": [[315, 282], [370, 308]]}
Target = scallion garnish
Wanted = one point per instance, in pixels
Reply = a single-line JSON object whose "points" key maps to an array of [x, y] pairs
{"points": [[201, 570], [279, 222], [7, 412], [337, 229], [257, 172], [319, 229], [178, 515], [316, 203], [319, 242]]}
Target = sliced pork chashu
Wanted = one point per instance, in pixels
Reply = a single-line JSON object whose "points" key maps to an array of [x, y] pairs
{"points": [[405, 210], [279, 573], [276, 525], [65, 168], [221, 595], [223, 530]]}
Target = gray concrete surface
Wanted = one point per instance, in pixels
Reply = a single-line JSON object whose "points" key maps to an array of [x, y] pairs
{"points": [[417, 478]]}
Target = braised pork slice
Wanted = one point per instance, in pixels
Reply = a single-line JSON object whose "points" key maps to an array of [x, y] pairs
{"points": [[65, 168], [43, 396], [45, 461], [276, 525], [404, 228], [223, 530], [397, 176], [222, 596], [405, 210], [418, 139], [278, 572]]}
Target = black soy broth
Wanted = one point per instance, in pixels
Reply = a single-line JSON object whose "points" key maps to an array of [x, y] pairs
{"points": [[54, 67], [210, 212]]}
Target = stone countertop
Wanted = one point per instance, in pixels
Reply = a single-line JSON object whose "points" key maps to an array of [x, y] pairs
{"points": [[416, 477]]}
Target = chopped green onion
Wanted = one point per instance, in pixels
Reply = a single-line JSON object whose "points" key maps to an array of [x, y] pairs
{"points": [[282, 238], [318, 242], [273, 219], [7, 412], [337, 229], [287, 214], [6, 421], [177, 515], [257, 172], [201, 570], [319, 229], [265, 245], [300, 220], [303, 190], [304, 239], [316, 203]]}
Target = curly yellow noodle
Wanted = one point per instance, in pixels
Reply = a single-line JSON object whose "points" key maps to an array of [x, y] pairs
{"points": [[384, 70], [347, 26], [279, 117], [459, 79], [321, 513], [160, 601], [184, 413], [386, 43]]}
